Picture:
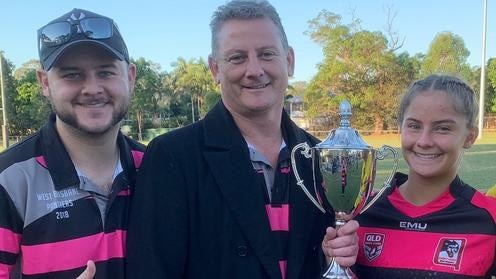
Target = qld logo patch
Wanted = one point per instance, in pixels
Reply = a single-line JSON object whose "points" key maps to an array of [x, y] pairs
{"points": [[449, 252], [372, 245]]}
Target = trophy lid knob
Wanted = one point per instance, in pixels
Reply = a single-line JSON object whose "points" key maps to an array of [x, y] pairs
{"points": [[344, 137], [345, 113]]}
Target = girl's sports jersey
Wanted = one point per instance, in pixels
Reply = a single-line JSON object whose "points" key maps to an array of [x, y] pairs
{"points": [[454, 236]]}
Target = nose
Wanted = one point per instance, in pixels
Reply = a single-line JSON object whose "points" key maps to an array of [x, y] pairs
{"points": [[92, 85], [424, 139], [254, 67]]}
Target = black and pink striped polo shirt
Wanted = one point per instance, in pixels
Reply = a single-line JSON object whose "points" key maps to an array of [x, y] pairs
{"points": [[275, 181], [52, 220]]}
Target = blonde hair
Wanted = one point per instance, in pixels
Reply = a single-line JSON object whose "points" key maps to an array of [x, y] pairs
{"points": [[463, 96]]}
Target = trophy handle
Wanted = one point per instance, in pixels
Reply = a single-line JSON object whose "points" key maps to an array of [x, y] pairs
{"points": [[305, 152], [381, 154]]}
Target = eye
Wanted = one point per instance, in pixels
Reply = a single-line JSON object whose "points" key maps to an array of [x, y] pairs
{"points": [[71, 75], [443, 129], [413, 126], [237, 58], [105, 74], [268, 55]]}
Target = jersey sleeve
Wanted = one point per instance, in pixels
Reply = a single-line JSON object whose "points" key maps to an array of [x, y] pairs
{"points": [[10, 234]]}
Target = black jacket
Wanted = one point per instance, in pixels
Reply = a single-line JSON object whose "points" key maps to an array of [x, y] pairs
{"points": [[197, 214]]}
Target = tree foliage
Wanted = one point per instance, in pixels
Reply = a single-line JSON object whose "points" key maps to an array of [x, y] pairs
{"points": [[9, 86], [365, 67], [358, 65], [447, 54], [211, 98], [31, 108], [148, 94], [26, 68], [191, 81], [296, 88], [491, 89]]}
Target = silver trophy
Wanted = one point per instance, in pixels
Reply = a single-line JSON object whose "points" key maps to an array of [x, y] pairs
{"points": [[347, 166]]}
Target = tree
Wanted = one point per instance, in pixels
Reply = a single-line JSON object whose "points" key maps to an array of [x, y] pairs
{"points": [[491, 88], [358, 65], [447, 54], [411, 65], [211, 98], [192, 80], [9, 86], [148, 93], [30, 106], [297, 88], [26, 68]]}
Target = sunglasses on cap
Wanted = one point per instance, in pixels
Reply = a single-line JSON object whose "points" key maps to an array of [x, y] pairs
{"points": [[59, 33]]}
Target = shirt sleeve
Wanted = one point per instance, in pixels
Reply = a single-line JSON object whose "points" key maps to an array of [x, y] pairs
{"points": [[10, 234]]}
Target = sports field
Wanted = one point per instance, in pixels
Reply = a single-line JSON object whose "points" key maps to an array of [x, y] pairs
{"points": [[478, 167]]}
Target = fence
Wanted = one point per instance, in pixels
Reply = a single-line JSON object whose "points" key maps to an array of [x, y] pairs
{"points": [[489, 126], [323, 134], [490, 121]]}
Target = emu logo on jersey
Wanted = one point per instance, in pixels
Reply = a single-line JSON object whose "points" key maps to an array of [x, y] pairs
{"points": [[372, 245], [413, 226], [449, 252]]}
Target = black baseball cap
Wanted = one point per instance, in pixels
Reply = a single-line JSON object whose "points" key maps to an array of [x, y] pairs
{"points": [[77, 27]]}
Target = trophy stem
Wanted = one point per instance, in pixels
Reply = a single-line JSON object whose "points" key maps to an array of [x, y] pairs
{"points": [[341, 219], [335, 271]]}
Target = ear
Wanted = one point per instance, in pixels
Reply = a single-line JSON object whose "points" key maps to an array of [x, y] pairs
{"points": [[42, 77], [291, 61], [214, 68], [471, 137], [131, 75]]}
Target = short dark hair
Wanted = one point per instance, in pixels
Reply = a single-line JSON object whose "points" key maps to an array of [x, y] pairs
{"points": [[245, 9]]}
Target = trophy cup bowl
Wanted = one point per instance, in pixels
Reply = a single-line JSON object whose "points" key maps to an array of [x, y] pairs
{"points": [[347, 167]]}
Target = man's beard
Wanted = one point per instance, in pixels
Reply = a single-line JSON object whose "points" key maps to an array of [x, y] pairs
{"points": [[71, 120]]}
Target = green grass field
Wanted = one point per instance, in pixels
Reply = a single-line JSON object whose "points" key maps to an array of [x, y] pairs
{"points": [[478, 167]]}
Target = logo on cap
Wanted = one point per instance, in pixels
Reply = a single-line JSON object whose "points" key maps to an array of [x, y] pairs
{"points": [[73, 16]]}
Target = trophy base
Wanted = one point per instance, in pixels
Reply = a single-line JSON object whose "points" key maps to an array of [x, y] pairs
{"points": [[336, 271]]}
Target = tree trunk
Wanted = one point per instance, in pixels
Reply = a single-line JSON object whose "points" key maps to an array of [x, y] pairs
{"points": [[192, 109], [198, 106], [378, 124], [139, 119]]}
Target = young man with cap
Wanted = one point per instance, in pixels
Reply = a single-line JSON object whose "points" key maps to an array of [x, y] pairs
{"points": [[64, 191]]}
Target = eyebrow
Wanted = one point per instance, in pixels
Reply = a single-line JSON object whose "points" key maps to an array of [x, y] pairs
{"points": [[239, 50], [442, 121], [72, 68]]}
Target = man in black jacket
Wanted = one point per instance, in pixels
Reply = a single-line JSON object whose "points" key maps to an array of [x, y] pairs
{"points": [[218, 199]]}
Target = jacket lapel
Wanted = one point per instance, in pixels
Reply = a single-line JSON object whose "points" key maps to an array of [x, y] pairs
{"points": [[227, 155]]}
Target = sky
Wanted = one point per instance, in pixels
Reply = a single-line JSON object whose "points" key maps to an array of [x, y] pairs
{"points": [[164, 30]]}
